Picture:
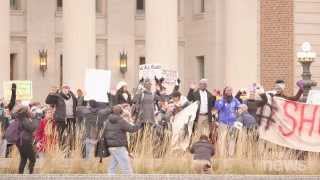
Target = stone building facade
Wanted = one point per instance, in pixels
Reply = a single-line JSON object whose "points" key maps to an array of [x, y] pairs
{"points": [[229, 42]]}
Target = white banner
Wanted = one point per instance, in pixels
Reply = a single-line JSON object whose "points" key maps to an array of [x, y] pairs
{"points": [[182, 127], [97, 84], [291, 124], [170, 79], [314, 97]]}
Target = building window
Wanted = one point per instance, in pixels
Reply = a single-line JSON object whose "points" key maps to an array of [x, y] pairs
{"points": [[142, 60], [201, 73], [202, 6], [14, 4], [61, 70], [140, 6], [59, 5], [13, 67], [179, 3], [99, 6]]}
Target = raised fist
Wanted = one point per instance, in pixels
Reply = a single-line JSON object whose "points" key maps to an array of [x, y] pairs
{"points": [[300, 84], [14, 86]]}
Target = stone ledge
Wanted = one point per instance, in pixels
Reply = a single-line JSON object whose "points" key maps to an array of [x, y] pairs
{"points": [[153, 177]]}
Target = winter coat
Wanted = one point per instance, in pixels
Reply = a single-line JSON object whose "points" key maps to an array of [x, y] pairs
{"points": [[195, 96], [57, 100], [202, 150], [27, 127], [116, 128], [90, 117], [227, 111], [247, 120], [145, 106], [254, 105], [120, 99]]}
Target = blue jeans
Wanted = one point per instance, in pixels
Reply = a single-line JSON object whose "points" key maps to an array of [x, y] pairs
{"points": [[119, 157], [90, 147]]}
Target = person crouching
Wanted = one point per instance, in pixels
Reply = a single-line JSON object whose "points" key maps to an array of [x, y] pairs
{"points": [[202, 152]]}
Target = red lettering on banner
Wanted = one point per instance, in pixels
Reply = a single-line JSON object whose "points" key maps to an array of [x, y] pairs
{"points": [[288, 116], [303, 119]]}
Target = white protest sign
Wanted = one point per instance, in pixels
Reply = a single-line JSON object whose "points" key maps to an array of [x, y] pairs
{"points": [[314, 97], [150, 71], [182, 127], [170, 79], [97, 84]]}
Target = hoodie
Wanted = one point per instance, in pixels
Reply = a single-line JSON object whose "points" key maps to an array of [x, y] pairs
{"points": [[116, 128]]}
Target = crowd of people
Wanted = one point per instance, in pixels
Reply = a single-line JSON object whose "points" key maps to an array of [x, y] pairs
{"points": [[35, 128]]}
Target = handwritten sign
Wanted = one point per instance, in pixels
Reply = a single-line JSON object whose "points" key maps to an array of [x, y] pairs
{"points": [[24, 90], [292, 124]]}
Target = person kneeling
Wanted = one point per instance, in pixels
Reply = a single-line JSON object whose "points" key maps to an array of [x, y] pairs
{"points": [[202, 152]]}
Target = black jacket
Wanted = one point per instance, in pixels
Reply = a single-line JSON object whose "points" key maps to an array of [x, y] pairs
{"points": [[116, 128], [57, 100], [291, 98], [27, 127], [202, 150], [195, 96], [254, 105], [119, 99]]}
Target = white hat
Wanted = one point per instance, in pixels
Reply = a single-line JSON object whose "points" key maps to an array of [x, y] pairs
{"points": [[121, 84]]}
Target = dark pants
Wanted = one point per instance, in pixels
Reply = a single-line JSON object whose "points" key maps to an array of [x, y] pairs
{"points": [[26, 152], [70, 127]]}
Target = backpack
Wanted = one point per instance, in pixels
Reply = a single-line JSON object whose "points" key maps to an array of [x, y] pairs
{"points": [[13, 132]]}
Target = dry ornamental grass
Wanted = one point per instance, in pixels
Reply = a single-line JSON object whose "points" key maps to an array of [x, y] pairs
{"points": [[251, 156]]}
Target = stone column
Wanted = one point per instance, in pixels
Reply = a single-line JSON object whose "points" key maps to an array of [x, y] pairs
{"points": [[4, 43], [162, 33], [79, 40], [241, 42]]}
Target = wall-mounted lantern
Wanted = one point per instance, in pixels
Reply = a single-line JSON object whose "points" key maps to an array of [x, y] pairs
{"points": [[43, 58], [123, 62]]}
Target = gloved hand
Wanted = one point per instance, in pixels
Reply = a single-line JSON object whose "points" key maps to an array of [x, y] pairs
{"points": [[14, 86], [300, 84], [178, 81], [260, 90]]}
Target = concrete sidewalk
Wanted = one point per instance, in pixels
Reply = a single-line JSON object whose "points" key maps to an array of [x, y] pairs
{"points": [[154, 177]]}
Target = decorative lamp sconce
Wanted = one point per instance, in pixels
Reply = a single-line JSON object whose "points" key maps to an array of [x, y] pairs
{"points": [[123, 62], [43, 55]]}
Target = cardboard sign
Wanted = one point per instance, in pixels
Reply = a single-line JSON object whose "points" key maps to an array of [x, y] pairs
{"points": [[97, 85], [24, 90], [314, 97], [170, 79], [151, 71], [291, 124]]}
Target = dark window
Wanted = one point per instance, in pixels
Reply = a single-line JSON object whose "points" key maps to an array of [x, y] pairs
{"points": [[142, 60], [12, 66], [140, 5], [201, 62], [14, 4], [59, 4], [61, 70], [202, 6], [98, 6]]}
